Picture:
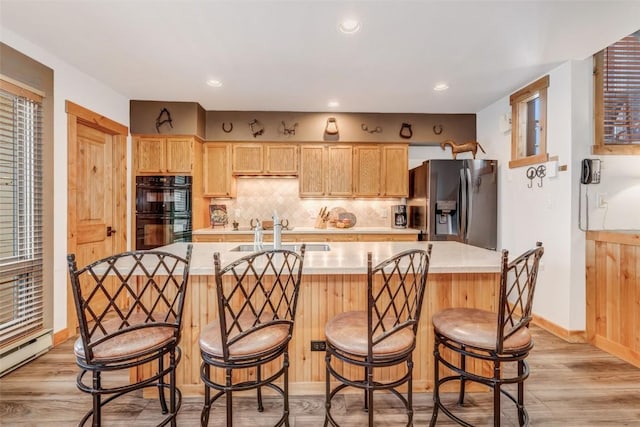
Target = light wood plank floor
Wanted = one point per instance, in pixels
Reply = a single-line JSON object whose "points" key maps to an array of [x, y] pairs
{"points": [[570, 385]]}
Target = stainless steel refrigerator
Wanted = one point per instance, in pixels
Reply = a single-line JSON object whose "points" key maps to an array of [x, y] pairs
{"points": [[455, 200]]}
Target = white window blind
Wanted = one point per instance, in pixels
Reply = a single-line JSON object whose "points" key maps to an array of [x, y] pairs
{"points": [[21, 245], [621, 91]]}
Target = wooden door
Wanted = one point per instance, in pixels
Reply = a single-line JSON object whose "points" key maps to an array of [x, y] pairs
{"points": [[340, 170], [312, 167], [395, 170], [367, 173], [179, 155], [97, 196]]}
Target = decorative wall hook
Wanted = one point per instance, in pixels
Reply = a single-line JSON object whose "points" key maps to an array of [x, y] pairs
{"points": [[256, 127], [437, 129], [531, 173], [163, 117], [288, 131], [406, 131], [365, 128], [225, 129], [541, 172]]}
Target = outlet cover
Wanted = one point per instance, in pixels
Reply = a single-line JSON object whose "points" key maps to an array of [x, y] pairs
{"points": [[318, 346]]}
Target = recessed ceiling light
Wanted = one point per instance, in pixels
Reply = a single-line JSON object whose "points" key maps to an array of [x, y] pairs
{"points": [[349, 26], [214, 83], [440, 87], [333, 104]]}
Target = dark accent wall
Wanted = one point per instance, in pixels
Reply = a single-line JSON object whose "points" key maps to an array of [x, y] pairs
{"points": [[191, 119], [187, 118]]}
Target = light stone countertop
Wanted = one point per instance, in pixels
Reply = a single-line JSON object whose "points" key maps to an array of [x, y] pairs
{"points": [[351, 257], [311, 230]]}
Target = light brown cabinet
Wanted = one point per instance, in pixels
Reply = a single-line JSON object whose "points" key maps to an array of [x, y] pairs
{"points": [[163, 155], [309, 237], [381, 171], [217, 178], [265, 159], [395, 170], [326, 170]]}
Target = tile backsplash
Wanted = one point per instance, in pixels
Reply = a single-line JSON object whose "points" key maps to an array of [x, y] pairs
{"points": [[258, 197]]}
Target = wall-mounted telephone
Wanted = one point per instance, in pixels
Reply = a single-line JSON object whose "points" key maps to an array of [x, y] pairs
{"points": [[590, 171]]}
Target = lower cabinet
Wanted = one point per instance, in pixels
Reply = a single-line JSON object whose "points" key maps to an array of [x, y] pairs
{"points": [[309, 237]]}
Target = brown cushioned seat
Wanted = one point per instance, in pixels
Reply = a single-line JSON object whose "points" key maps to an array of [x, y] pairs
{"points": [[477, 328], [128, 344], [348, 332], [261, 340]]}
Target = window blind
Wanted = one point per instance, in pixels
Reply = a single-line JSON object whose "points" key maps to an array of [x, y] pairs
{"points": [[621, 91], [21, 244]]}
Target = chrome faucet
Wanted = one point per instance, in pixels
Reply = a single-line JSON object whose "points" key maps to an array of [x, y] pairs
{"points": [[257, 236], [277, 231]]}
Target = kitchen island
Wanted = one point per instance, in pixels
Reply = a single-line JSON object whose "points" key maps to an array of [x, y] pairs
{"points": [[309, 234], [335, 281]]}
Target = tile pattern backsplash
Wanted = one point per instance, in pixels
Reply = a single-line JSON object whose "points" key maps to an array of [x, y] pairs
{"points": [[258, 197]]}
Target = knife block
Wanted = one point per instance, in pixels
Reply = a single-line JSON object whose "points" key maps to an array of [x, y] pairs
{"points": [[320, 223]]}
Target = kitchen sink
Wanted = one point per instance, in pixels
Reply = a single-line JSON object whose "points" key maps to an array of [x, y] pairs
{"points": [[296, 248]]}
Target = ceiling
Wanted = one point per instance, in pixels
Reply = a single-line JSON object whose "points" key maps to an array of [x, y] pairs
{"points": [[290, 56]]}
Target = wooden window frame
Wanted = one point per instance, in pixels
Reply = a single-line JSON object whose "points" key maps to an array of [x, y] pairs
{"points": [[599, 146], [540, 87]]}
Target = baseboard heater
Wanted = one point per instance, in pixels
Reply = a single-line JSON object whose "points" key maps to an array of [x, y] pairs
{"points": [[25, 352]]}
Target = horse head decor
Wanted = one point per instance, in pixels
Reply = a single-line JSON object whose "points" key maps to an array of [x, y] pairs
{"points": [[462, 148]]}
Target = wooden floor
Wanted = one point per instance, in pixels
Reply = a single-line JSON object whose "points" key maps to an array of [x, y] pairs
{"points": [[570, 385]]}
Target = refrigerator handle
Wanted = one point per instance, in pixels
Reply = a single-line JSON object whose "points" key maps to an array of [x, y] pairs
{"points": [[462, 206], [469, 214]]}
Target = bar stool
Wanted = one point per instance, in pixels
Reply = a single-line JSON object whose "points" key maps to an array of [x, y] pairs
{"points": [[499, 338], [382, 336], [129, 308], [257, 298]]}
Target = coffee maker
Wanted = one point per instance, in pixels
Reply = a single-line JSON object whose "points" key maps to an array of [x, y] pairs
{"points": [[399, 216]]}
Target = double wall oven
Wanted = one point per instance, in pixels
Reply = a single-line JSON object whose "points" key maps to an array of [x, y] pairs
{"points": [[163, 210]]}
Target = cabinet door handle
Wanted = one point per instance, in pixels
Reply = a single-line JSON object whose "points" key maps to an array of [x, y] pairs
{"points": [[110, 231]]}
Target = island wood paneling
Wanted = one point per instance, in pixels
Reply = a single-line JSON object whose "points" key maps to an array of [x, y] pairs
{"points": [[613, 293], [322, 297]]}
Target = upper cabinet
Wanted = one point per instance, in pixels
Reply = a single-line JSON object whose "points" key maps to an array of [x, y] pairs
{"points": [[217, 178], [326, 170], [264, 159], [395, 170], [163, 155], [381, 171], [347, 170]]}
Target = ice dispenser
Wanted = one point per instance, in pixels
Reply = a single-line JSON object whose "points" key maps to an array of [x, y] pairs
{"points": [[446, 217]]}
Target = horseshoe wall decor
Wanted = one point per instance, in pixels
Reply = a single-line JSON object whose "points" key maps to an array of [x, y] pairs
{"points": [[224, 127], [437, 129]]}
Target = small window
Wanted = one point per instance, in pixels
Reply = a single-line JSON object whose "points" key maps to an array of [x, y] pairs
{"points": [[529, 124], [617, 97]]}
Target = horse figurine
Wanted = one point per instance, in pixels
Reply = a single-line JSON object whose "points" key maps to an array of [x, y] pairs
{"points": [[462, 148]]}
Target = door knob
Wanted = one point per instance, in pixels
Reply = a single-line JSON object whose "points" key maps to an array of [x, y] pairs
{"points": [[110, 231]]}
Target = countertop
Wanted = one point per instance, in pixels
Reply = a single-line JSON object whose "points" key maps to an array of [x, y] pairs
{"points": [[351, 257], [625, 237], [311, 230]]}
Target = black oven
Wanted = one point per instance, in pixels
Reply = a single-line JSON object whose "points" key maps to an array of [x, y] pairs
{"points": [[163, 210]]}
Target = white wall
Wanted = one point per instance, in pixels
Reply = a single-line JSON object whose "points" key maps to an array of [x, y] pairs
{"points": [[550, 213], [73, 85]]}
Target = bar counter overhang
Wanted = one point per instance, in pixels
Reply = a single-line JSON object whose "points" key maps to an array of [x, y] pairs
{"points": [[335, 281]]}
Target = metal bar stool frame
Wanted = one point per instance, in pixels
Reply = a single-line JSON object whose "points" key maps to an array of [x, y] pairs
{"points": [[517, 286], [392, 309], [244, 312], [146, 307]]}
